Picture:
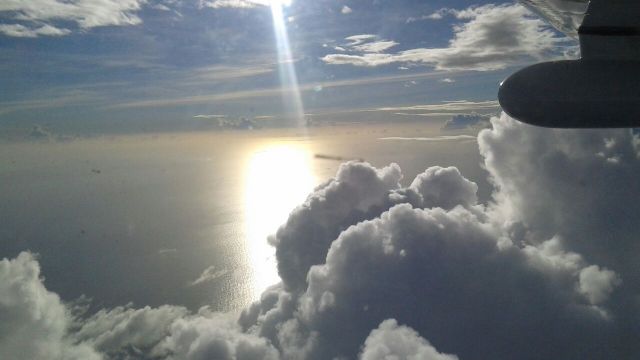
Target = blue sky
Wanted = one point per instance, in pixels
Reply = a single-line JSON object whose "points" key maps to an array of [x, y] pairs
{"points": [[137, 65]]}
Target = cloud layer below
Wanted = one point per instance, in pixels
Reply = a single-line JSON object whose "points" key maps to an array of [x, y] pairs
{"points": [[374, 270]]}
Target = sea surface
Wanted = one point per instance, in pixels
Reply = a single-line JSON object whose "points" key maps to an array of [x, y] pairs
{"points": [[183, 218]]}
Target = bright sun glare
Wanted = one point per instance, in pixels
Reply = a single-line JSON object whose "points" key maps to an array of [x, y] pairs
{"points": [[278, 178], [274, 3]]}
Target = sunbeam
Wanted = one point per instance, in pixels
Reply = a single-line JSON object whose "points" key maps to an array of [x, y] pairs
{"points": [[292, 101]]}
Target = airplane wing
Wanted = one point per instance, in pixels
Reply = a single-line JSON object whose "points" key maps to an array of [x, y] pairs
{"points": [[564, 15], [602, 88]]}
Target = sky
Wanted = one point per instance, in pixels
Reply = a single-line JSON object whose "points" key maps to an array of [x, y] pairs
{"points": [[84, 67], [538, 259]]}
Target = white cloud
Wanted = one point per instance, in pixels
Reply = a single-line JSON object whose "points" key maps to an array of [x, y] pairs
{"points": [[39, 15], [436, 15], [390, 341], [366, 43], [445, 188], [161, 7], [359, 39], [116, 331], [356, 190], [35, 322], [447, 80], [494, 37], [597, 284], [375, 46], [246, 4], [559, 182], [346, 10], [209, 274], [554, 252], [18, 30]]}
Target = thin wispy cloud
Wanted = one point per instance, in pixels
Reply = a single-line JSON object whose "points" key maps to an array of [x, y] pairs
{"points": [[239, 4], [436, 15], [19, 30], [209, 274], [209, 116], [359, 39], [272, 92], [457, 105], [431, 139], [375, 46], [41, 16], [493, 37]]}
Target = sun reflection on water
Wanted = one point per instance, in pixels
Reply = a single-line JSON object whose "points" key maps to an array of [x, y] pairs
{"points": [[278, 178]]}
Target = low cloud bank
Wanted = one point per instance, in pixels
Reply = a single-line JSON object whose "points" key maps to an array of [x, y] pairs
{"points": [[374, 270]]}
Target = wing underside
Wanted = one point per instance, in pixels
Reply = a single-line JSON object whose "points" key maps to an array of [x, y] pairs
{"points": [[599, 90], [564, 15]]}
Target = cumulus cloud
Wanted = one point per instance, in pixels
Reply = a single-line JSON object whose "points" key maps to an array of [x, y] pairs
{"points": [[346, 10], [213, 336], [546, 269], [576, 185], [356, 193], [597, 284], [125, 331], [38, 17], [390, 341], [493, 37], [35, 323]]}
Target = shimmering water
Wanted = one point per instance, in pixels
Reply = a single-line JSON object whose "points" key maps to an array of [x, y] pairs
{"points": [[183, 219]]}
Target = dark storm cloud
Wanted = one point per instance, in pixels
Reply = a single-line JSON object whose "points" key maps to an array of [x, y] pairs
{"points": [[372, 270]]}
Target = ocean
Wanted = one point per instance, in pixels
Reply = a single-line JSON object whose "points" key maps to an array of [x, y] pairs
{"points": [[183, 218]]}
